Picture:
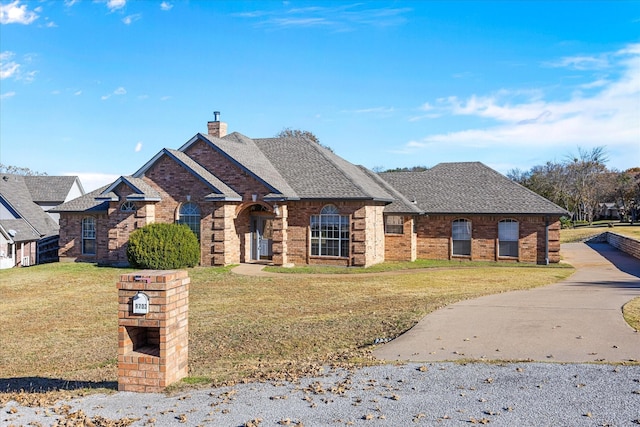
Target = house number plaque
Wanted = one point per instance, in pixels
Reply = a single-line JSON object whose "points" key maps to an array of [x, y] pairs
{"points": [[140, 303]]}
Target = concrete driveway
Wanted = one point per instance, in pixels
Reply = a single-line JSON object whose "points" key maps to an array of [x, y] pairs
{"points": [[577, 320]]}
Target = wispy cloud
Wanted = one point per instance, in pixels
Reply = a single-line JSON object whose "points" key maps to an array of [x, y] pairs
{"points": [[374, 110], [8, 67], [8, 95], [118, 92], [113, 5], [165, 5], [15, 13], [581, 62], [339, 18], [527, 118], [138, 147], [130, 19]]}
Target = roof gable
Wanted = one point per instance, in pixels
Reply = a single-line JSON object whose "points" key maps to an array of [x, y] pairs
{"points": [[141, 190], [220, 190], [243, 152]]}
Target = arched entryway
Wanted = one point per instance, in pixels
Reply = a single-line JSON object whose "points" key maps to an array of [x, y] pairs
{"points": [[254, 223]]}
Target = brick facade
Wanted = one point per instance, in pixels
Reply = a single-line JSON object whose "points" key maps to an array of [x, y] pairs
{"points": [[434, 238], [226, 224], [153, 348]]}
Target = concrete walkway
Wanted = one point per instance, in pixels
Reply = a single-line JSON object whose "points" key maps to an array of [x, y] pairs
{"points": [[577, 320]]}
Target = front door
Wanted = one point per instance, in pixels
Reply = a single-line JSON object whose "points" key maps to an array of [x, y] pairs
{"points": [[261, 238]]}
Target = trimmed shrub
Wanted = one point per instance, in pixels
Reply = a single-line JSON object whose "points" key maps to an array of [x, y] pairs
{"points": [[163, 247]]}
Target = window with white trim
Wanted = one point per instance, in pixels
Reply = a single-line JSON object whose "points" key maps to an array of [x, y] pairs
{"points": [[128, 206], [461, 236], [330, 233], [88, 236], [190, 214], [508, 235], [394, 224]]}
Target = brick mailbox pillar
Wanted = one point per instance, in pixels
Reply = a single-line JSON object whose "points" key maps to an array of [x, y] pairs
{"points": [[153, 326]]}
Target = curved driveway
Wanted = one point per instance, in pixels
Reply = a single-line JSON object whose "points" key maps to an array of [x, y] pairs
{"points": [[576, 320]]}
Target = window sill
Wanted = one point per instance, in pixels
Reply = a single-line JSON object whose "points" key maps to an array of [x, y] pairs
{"points": [[327, 257]]}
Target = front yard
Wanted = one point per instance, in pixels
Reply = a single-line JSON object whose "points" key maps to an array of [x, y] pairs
{"points": [[59, 320]]}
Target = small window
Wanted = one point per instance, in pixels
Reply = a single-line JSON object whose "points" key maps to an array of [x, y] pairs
{"points": [[190, 214], [508, 235], [128, 206], [461, 236], [89, 236], [330, 233], [394, 224]]}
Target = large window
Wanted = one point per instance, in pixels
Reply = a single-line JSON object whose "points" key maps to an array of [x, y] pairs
{"points": [[508, 234], [393, 224], [89, 236], [461, 236], [330, 233], [190, 214]]}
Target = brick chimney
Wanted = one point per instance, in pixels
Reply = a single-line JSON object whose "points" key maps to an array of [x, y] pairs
{"points": [[216, 128]]}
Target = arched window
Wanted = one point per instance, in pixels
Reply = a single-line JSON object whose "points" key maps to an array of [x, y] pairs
{"points": [[88, 236], [190, 214], [461, 236], [128, 206], [330, 233], [508, 235]]}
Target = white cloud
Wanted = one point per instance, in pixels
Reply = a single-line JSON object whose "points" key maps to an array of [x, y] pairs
{"points": [[607, 116], [165, 5], [128, 20], [119, 91], [581, 62], [8, 67], [77, 93], [376, 110], [116, 4], [14, 13], [344, 17], [8, 95], [138, 147]]}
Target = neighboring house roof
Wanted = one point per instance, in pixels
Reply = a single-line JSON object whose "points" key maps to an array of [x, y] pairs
{"points": [[467, 188], [87, 203], [29, 220], [315, 172], [51, 189]]}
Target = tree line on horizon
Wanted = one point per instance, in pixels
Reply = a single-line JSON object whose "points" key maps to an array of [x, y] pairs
{"points": [[582, 183]]}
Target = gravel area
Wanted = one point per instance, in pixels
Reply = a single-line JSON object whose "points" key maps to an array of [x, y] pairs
{"points": [[446, 394]]}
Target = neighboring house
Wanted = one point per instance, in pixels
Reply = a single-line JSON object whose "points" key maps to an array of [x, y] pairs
{"points": [[607, 211], [292, 201], [29, 234]]}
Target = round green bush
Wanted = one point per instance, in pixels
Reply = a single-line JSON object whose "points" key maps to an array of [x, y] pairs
{"points": [[163, 247]]}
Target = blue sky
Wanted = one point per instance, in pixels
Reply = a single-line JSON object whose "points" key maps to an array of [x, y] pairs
{"points": [[97, 88]]}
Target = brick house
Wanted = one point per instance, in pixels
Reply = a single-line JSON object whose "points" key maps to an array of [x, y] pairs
{"points": [[292, 201]]}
